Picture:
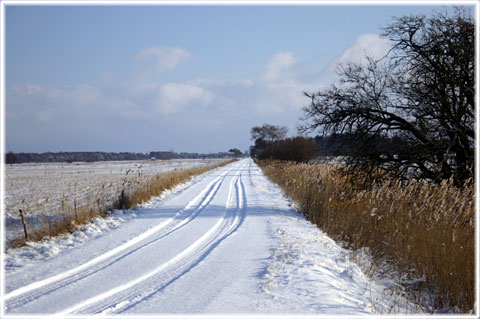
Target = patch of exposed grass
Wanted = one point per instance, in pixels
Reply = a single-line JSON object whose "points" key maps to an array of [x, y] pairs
{"points": [[159, 183], [425, 231]]}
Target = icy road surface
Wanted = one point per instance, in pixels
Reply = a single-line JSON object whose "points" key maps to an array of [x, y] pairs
{"points": [[229, 242]]}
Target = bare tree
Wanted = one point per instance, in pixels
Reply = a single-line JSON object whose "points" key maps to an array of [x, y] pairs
{"points": [[235, 152], [10, 158], [268, 133], [421, 95]]}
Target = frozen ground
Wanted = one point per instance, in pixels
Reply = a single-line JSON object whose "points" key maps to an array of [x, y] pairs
{"points": [[47, 191], [227, 242]]}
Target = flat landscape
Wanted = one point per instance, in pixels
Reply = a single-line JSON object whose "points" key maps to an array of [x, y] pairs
{"points": [[226, 242], [45, 192], [230, 159]]}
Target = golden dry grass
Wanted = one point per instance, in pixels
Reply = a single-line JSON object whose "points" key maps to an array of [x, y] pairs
{"points": [[424, 230], [161, 182]]}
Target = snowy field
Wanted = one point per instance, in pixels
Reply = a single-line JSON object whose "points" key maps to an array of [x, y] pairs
{"points": [[226, 242], [45, 191]]}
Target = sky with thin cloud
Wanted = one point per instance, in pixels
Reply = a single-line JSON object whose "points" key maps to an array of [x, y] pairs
{"points": [[183, 78]]}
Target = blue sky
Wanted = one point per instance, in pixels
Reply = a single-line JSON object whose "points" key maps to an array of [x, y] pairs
{"points": [[187, 78]]}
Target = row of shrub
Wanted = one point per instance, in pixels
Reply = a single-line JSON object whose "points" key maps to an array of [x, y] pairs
{"points": [[297, 149], [424, 230]]}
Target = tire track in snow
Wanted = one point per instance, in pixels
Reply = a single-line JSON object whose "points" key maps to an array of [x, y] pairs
{"points": [[40, 288], [130, 294]]}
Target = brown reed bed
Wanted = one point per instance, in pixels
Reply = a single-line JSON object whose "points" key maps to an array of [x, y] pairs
{"points": [[134, 190], [426, 232]]}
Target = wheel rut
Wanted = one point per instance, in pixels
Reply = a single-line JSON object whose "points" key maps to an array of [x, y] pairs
{"points": [[132, 292]]}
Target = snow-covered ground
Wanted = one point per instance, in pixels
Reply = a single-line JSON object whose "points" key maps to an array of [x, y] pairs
{"points": [[226, 242], [47, 191]]}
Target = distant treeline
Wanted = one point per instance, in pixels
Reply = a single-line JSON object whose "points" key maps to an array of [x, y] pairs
{"points": [[103, 156], [302, 149]]}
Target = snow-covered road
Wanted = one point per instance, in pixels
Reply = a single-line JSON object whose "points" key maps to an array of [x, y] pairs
{"points": [[229, 242]]}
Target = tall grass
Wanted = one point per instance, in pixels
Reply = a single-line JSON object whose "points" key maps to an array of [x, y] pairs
{"points": [[159, 183], [134, 189], [423, 230]]}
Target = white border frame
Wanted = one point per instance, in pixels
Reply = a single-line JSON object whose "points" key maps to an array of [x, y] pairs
{"points": [[5, 3]]}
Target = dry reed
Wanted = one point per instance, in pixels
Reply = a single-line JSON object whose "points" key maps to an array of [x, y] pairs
{"points": [[425, 231]]}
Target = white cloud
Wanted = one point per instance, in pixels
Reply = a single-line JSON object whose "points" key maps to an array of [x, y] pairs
{"points": [[27, 89], [249, 83], [129, 109], [280, 86], [221, 83], [166, 58], [46, 115], [285, 77], [33, 89], [371, 45], [81, 94], [280, 62], [80, 102], [172, 96]]}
